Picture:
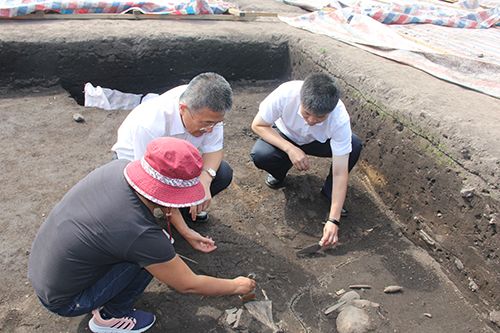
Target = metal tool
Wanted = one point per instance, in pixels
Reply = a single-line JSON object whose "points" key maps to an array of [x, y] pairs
{"points": [[309, 250]]}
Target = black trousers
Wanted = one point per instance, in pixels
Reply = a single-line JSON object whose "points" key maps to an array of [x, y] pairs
{"points": [[276, 162], [222, 179]]}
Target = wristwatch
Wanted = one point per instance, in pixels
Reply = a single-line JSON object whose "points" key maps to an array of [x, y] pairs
{"points": [[334, 221], [211, 172]]}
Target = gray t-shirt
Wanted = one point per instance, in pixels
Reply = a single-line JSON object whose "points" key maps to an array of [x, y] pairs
{"points": [[98, 223]]}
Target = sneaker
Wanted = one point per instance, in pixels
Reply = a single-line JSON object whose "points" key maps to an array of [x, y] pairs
{"points": [[134, 321], [343, 212], [273, 182]]}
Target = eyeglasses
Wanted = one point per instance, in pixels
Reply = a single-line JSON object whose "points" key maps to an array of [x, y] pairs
{"points": [[211, 126], [206, 125]]}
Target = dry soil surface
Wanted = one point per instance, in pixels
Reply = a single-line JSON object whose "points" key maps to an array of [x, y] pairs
{"points": [[258, 230]]}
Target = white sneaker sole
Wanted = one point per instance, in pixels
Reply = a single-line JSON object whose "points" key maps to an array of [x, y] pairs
{"points": [[99, 329]]}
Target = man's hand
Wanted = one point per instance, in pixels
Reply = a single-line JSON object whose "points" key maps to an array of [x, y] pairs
{"points": [[330, 235], [193, 210], [200, 243], [298, 158], [244, 285]]}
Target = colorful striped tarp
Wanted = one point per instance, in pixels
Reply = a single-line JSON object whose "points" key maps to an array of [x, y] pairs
{"points": [[406, 13], [438, 50], [12, 8], [434, 12]]}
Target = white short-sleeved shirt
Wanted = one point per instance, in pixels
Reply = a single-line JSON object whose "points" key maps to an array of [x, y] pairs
{"points": [[282, 108], [160, 117]]}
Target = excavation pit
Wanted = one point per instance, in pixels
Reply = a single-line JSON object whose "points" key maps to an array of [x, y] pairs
{"points": [[401, 178]]}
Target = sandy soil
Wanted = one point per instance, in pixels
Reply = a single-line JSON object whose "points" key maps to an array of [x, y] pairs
{"points": [[257, 230]]}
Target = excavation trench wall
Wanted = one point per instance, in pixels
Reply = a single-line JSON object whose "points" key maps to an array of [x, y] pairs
{"points": [[426, 181], [138, 65]]}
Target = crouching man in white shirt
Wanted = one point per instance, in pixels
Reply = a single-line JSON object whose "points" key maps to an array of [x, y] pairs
{"points": [[303, 118], [194, 113]]}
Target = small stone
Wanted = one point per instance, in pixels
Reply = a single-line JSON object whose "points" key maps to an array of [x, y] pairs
{"points": [[473, 285], [428, 315], [467, 193], [458, 264], [364, 303], [466, 153], [231, 316], [426, 238], [439, 215], [393, 289], [360, 286], [334, 307], [43, 215], [238, 318], [353, 320], [349, 296], [78, 118], [495, 317], [345, 300], [340, 292]]}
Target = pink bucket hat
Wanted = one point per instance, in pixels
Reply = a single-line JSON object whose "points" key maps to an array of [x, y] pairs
{"points": [[168, 174]]}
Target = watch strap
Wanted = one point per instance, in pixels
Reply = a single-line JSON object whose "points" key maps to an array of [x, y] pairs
{"points": [[334, 221], [211, 172]]}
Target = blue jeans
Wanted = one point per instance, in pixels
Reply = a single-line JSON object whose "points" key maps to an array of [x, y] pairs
{"points": [[116, 291]]}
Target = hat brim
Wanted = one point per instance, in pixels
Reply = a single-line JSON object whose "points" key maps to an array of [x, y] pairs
{"points": [[160, 193]]}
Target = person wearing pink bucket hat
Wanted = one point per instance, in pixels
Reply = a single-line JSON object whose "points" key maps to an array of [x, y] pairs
{"points": [[101, 246]]}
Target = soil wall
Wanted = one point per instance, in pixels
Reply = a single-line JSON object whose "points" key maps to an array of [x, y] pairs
{"points": [[138, 65], [422, 182]]}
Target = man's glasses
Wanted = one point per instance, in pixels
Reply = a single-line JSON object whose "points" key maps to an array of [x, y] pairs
{"points": [[211, 126], [206, 126]]}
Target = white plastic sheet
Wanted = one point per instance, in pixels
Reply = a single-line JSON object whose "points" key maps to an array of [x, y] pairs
{"points": [[110, 99]]}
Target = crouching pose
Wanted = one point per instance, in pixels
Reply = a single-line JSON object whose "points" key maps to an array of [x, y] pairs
{"points": [[101, 246], [302, 118]]}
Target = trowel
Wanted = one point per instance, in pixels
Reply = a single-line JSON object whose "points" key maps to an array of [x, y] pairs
{"points": [[309, 250]]}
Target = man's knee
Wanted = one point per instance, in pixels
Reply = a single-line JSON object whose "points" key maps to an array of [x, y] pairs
{"points": [[223, 179], [226, 174], [261, 154], [357, 146]]}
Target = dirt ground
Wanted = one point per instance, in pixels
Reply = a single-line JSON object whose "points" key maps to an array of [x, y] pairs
{"points": [[425, 142], [257, 230]]}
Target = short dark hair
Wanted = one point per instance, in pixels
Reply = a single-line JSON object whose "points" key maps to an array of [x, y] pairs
{"points": [[319, 94], [208, 90]]}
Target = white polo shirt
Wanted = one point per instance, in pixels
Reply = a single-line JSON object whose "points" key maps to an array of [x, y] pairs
{"points": [[156, 118], [282, 108]]}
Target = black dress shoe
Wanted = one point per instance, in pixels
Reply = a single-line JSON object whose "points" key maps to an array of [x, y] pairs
{"points": [[273, 182]]}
